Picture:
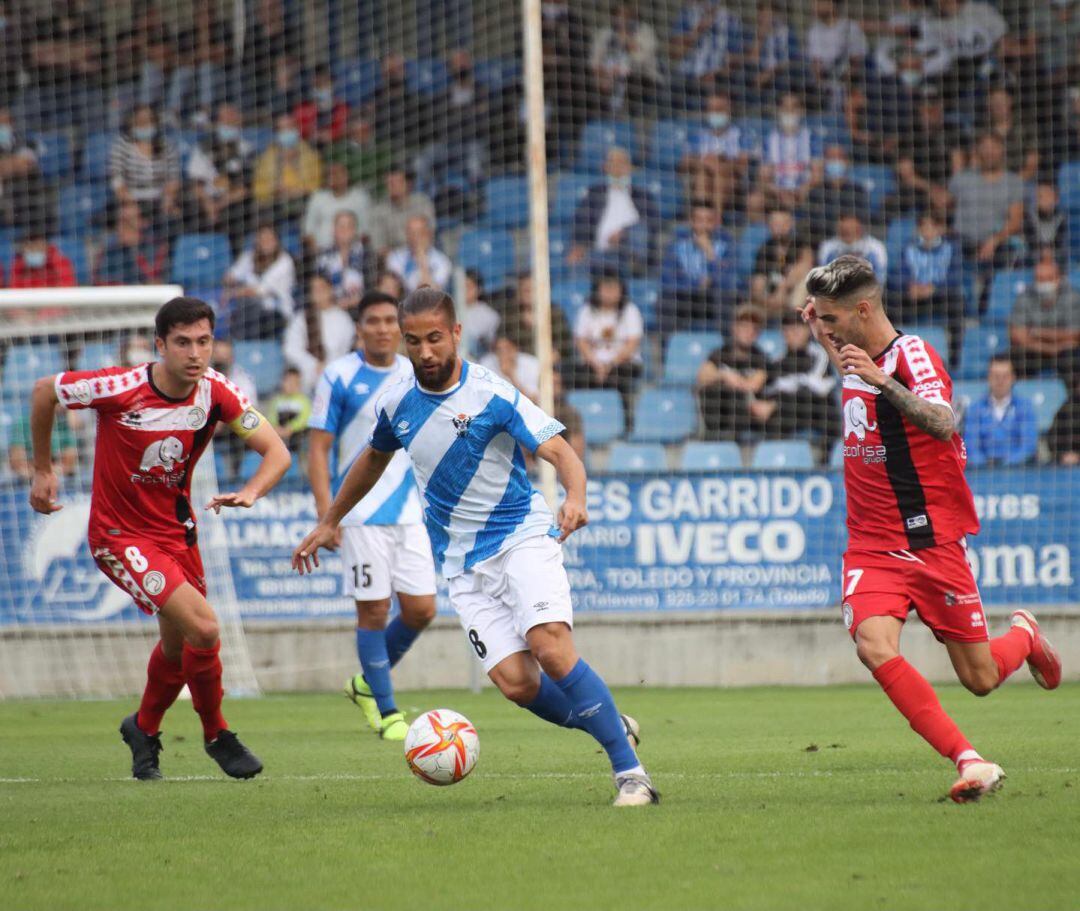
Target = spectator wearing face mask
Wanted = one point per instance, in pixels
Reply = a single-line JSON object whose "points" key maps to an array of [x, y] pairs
{"points": [[717, 156], [1045, 325], [615, 224], [344, 261], [322, 118], [21, 188], [837, 194], [418, 261], [791, 164], [324, 206], [931, 279], [219, 178], [286, 173], [1046, 226], [144, 167], [851, 239], [40, 264]]}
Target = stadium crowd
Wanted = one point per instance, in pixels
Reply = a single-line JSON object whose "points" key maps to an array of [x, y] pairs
{"points": [[700, 165]]}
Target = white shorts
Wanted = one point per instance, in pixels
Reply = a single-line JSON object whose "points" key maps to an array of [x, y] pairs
{"points": [[507, 595], [378, 559]]}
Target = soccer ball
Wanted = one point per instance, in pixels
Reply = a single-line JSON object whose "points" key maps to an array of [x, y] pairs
{"points": [[441, 747]]}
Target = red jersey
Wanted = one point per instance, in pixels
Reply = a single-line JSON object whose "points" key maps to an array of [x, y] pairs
{"points": [[147, 446], [905, 489]]}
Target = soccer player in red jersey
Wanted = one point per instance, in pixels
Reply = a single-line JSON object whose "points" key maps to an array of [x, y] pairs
{"points": [[154, 421], [909, 513]]}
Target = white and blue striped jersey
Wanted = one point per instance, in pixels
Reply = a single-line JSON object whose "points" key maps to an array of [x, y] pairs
{"points": [[466, 449], [345, 406]]}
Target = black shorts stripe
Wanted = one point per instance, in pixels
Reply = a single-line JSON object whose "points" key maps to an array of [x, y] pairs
{"points": [[903, 476]]}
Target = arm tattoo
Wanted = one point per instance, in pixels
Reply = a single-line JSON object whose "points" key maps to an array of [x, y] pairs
{"points": [[936, 420]]}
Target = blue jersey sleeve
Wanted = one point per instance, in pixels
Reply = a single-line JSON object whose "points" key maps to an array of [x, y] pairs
{"points": [[382, 434], [528, 423]]}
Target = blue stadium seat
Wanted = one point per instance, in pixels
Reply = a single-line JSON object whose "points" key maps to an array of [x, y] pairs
{"points": [[506, 202], [570, 297], [201, 259], [750, 242], [836, 455], [7, 251], [979, 345], [1047, 395], [698, 456], [95, 156], [964, 393], [558, 247], [1069, 185], [597, 137], [645, 293], [668, 143], [264, 361], [783, 454], [636, 458], [427, 77], [771, 341], [357, 81], [601, 413], [54, 155], [666, 188], [830, 129], [260, 137], [935, 336], [496, 73], [754, 130], [95, 355], [664, 416], [26, 362], [570, 190], [491, 253], [685, 352], [1003, 291], [74, 248], [897, 236], [80, 205], [878, 181]]}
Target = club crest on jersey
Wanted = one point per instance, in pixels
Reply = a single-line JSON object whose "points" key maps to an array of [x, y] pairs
{"points": [[196, 417], [461, 424], [856, 419], [166, 454]]}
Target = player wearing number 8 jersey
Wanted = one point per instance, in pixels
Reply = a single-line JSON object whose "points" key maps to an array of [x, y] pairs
{"points": [[492, 535], [154, 422], [909, 513], [384, 544]]}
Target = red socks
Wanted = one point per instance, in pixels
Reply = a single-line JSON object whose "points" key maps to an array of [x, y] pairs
{"points": [[1010, 651], [164, 680], [202, 671], [918, 703]]}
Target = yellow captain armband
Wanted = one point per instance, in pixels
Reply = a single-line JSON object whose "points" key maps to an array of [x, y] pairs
{"points": [[248, 422]]}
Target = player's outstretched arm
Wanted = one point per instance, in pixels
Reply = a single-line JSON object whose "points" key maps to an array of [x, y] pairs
{"points": [[43, 488], [936, 419], [275, 462], [571, 473], [358, 481]]}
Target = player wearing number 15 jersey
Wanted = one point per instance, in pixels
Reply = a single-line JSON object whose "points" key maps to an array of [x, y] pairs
{"points": [[909, 513], [154, 421]]}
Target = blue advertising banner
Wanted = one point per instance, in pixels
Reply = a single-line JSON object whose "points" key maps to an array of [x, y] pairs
{"points": [[764, 540]]}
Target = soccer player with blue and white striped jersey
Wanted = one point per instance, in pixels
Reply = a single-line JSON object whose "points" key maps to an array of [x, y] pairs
{"points": [[493, 536], [385, 547]]}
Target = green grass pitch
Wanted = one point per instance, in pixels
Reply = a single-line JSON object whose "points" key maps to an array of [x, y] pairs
{"points": [[772, 798]]}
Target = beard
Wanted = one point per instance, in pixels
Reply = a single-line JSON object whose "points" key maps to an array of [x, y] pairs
{"points": [[436, 378]]}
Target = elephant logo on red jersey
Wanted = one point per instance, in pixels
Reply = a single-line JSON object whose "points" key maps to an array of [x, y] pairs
{"points": [[165, 453], [856, 419]]}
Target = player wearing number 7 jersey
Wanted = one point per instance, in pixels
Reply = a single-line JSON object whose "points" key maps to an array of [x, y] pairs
{"points": [[492, 535], [154, 422], [909, 513]]}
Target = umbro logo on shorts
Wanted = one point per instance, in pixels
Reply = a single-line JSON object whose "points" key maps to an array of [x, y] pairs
{"points": [[539, 606]]}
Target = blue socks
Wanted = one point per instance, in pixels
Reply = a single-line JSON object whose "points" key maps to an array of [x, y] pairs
{"points": [[594, 711], [399, 637], [375, 662], [552, 705]]}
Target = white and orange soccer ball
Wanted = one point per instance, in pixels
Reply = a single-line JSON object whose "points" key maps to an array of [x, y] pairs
{"points": [[441, 747]]}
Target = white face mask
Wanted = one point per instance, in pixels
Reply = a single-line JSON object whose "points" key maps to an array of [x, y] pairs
{"points": [[789, 122], [718, 120], [1046, 289]]}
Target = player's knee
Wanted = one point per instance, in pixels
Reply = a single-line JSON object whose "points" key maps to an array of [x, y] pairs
{"points": [[980, 683], [203, 633], [553, 649], [874, 653], [518, 689], [417, 615], [372, 614]]}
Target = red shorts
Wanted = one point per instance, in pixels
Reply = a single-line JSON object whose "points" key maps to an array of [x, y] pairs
{"points": [[936, 581], [147, 571]]}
